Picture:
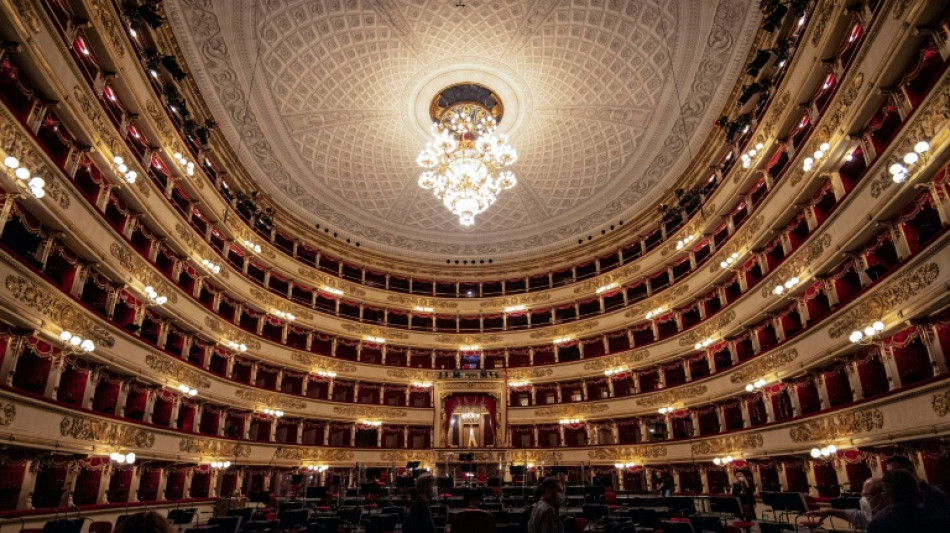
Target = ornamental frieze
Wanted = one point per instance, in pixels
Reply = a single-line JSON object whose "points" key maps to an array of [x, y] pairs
{"points": [[731, 443], [795, 266], [269, 300], [191, 240], [838, 425], [7, 412], [92, 430], [511, 301], [885, 300], [691, 230], [536, 456], [373, 331], [58, 310], [105, 17], [405, 457], [231, 333], [738, 241], [672, 396], [665, 300], [472, 339], [627, 453], [421, 301], [530, 373], [312, 454], [214, 448], [142, 270], [17, 143], [316, 362], [323, 280], [181, 372], [618, 276], [763, 365], [941, 403], [571, 411], [360, 411], [414, 375], [617, 360], [565, 330], [707, 330], [270, 399]]}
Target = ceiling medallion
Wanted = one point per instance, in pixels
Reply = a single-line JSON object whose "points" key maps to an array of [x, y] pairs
{"points": [[466, 162]]}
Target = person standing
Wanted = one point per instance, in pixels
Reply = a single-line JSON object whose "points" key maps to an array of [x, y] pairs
{"points": [[544, 516], [419, 519], [744, 489]]}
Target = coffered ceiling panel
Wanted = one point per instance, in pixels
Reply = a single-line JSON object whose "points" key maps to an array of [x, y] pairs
{"points": [[327, 104]]}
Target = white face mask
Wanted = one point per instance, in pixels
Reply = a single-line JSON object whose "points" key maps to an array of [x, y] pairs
{"points": [[434, 492]]}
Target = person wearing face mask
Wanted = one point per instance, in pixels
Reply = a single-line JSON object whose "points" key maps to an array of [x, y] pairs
{"points": [[745, 491], [872, 501], [419, 519], [544, 515]]}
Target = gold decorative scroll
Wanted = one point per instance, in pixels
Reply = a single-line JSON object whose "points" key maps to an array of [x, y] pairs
{"points": [[468, 339], [573, 328], [796, 265], [617, 360], [627, 453], [731, 443], [58, 310], [421, 301], [203, 249], [214, 448], [360, 411], [571, 411], [838, 425], [179, 371], [618, 276], [885, 300], [274, 302], [323, 363], [409, 375], [711, 328], [320, 279], [406, 456], [529, 373], [666, 299], [373, 331], [232, 333], [312, 454], [941, 403], [672, 396], [7, 412], [526, 300], [739, 241], [763, 365], [87, 429], [270, 399]]}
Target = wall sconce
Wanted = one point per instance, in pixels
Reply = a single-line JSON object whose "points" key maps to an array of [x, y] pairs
{"points": [[212, 267], [254, 247], [519, 384], [749, 154], [469, 348], [722, 461], [680, 244], [189, 166], [900, 170], [614, 371], [423, 309], [276, 413], [186, 390], [75, 343], [329, 374], [755, 385], [824, 452], [373, 338], [515, 308], [570, 421], [608, 287], [153, 296], [788, 285], [35, 186], [315, 468], [122, 458], [666, 410], [123, 170], [290, 317], [370, 424], [703, 344], [625, 466], [332, 290], [220, 465], [809, 162], [562, 340], [727, 262], [868, 335], [422, 384], [240, 347]]}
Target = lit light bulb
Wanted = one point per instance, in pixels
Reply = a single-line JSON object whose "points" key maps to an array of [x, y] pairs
{"points": [[816, 453], [878, 325], [911, 157], [921, 147], [22, 173]]}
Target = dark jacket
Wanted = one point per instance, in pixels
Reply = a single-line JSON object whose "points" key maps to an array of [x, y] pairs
{"points": [[419, 519]]}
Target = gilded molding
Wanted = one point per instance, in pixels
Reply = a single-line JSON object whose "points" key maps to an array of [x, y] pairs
{"points": [[20, 144], [323, 363], [232, 333], [106, 17], [529, 373], [820, 19], [571, 411], [214, 448], [81, 428], [510, 301], [312, 454], [322, 279], [573, 328], [373, 331], [627, 453], [941, 403], [142, 270], [672, 396], [731, 443], [406, 456], [270, 399], [477, 339], [179, 371], [420, 301], [617, 360], [618, 276], [665, 299], [885, 300], [798, 264], [7, 412], [25, 11], [407, 374], [282, 304], [763, 365], [360, 411], [838, 425], [188, 237], [739, 241], [58, 310], [708, 329]]}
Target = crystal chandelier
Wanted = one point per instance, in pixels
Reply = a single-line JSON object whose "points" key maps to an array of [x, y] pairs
{"points": [[466, 162]]}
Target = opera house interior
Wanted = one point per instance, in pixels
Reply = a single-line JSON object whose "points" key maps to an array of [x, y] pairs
{"points": [[274, 265]]}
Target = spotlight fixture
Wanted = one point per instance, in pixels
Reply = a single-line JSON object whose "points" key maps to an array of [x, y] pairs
{"points": [[867, 335], [76, 343]]}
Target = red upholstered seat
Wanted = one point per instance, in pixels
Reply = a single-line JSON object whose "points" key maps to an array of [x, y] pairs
{"points": [[743, 525], [581, 524]]}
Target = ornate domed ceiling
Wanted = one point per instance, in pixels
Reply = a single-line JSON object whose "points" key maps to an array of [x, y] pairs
{"points": [[340, 94]]}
